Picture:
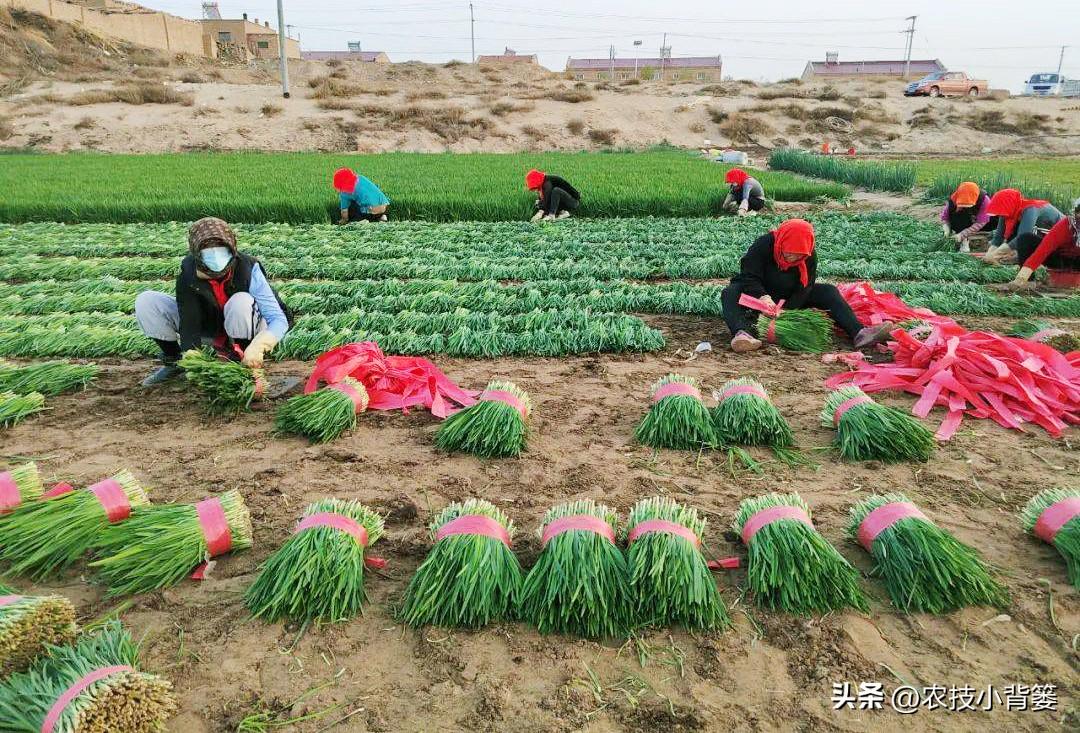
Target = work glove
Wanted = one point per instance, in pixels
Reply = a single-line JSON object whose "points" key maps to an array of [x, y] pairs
{"points": [[957, 238], [254, 354], [767, 300], [538, 215], [945, 231]]}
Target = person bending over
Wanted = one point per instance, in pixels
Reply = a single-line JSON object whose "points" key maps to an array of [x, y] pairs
{"points": [[1059, 249], [555, 197], [745, 193], [966, 214], [1018, 216], [360, 200]]}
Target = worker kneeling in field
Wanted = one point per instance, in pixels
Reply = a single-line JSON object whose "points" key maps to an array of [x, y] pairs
{"points": [[222, 296], [1059, 249], [360, 199], [966, 214], [745, 193], [555, 198], [781, 265], [1018, 217]]}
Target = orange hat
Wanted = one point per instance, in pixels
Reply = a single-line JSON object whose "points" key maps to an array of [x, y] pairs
{"points": [[534, 179], [345, 180], [966, 194], [794, 237], [736, 176]]}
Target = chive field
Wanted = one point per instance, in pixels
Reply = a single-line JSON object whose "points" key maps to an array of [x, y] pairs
{"points": [[876, 176]]}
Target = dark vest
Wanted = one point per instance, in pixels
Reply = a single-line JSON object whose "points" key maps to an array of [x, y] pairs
{"points": [[212, 316]]}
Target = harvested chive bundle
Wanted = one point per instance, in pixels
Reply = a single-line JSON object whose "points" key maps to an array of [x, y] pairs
{"points": [[744, 415], [791, 567], [1044, 332], [16, 407], [670, 583], [324, 414], [318, 574], [677, 418], [28, 624], [579, 584], [227, 387], [1053, 515], [797, 330], [495, 427], [160, 545], [92, 687], [926, 569], [471, 577], [42, 538], [867, 431], [48, 378], [19, 485]]}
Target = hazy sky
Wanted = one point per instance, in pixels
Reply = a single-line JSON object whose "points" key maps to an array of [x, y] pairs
{"points": [[1003, 42]]}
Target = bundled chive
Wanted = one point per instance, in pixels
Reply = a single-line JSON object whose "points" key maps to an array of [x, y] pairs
{"points": [[26, 482], [926, 569], [28, 624], [798, 330], [124, 701], [227, 387], [677, 420], [868, 431], [746, 416], [48, 378], [42, 538], [468, 579], [14, 408], [491, 428], [1046, 333], [160, 545], [324, 414], [318, 574], [791, 567], [670, 583], [917, 328], [1060, 528], [579, 584]]}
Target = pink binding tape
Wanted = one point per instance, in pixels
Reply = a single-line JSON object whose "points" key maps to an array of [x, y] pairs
{"points": [[1046, 333], [59, 490], [499, 395], [770, 335], [676, 388], [215, 527], [847, 405], [359, 401], [758, 520], [885, 516], [8, 600], [10, 497], [75, 690], [476, 524], [583, 522], [113, 499], [335, 521], [662, 525], [744, 389], [1055, 517]]}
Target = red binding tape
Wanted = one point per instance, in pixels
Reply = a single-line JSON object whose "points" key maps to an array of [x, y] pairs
{"points": [[724, 563], [499, 395], [59, 490], [260, 382], [1055, 517], [582, 522], [10, 496], [662, 525], [8, 600], [758, 520], [847, 405], [69, 695], [334, 521], [883, 517], [475, 524], [360, 401], [770, 335], [113, 499], [215, 527], [676, 388], [744, 389]]}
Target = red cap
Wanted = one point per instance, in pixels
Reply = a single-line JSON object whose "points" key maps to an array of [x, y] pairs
{"points": [[534, 179], [345, 180]]}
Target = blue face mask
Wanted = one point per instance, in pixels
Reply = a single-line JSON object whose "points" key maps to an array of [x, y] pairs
{"points": [[216, 259]]}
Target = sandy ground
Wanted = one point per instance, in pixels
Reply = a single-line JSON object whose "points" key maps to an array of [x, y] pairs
{"points": [[771, 672]]}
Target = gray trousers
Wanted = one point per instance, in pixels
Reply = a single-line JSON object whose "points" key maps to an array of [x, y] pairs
{"points": [[159, 317]]}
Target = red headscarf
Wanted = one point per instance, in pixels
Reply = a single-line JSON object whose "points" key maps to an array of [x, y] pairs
{"points": [[345, 180], [794, 237], [1010, 204], [736, 176], [534, 179]]}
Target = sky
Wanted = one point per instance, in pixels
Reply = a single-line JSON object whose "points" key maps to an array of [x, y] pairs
{"points": [[1002, 42]]}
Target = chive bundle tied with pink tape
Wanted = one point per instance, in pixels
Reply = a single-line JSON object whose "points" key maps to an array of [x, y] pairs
{"points": [[227, 387], [926, 569], [20, 484], [324, 414], [798, 329], [1053, 516], [677, 417], [868, 431], [744, 415], [41, 538], [28, 624], [495, 427], [791, 567]]}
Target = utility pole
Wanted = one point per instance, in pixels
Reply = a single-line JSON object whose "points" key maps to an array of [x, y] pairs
{"points": [[663, 45], [637, 45], [281, 50], [472, 31], [1061, 59], [611, 56], [910, 41]]}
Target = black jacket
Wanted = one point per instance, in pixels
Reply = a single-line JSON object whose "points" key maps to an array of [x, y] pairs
{"points": [[551, 182], [200, 314], [760, 275]]}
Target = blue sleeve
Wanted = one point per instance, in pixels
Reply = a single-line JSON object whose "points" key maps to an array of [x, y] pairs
{"points": [[268, 304], [344, 200]]}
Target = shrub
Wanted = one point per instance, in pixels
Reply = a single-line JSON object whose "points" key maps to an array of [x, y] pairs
{"points": [[794, 111], [877, 94], [191, 77], [602, 136], [793, 80], [7, 130], [696, 127], [326, 87], [777, 92], [719, 90], [270, 110], [335, 104], [136, 93], [449, 123], [828, 93], [425, 94], [899, 176], [453, 64], [575, 96], [504, 108], [716, 114], [744, 128], [575, 126], [85, 123], [533, 132]]}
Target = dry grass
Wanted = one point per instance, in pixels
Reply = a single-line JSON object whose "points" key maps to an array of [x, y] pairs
{"points": [[425, 94], [630, 83], [716, 114], [310, 124], [995, 121], [877, 94], [449, 123], [533, 132], [744, 128], [270, 110], [570, 96], [575, 126], [826, 94], [136, 93], [86, 123], [240, 109], [720, 90], [326, 87], [696, 127], [603, 135], [205, 111], [504, 108], [779, 92], [147, 72], [793, 80], [340, 73], [335, 104], [453, 64], [7, 130], [192, 77]]}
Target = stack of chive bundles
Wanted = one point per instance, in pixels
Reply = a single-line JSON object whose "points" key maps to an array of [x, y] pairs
{"points": [[471, 577], [579, 584], [801, 329], [48, 378], [19, 485], [926, 569], [318, 574], [791, 567], [324, 414], [14, 408], [1042, 332], [677, 418], [160, 545], [94, 686], [868, 431], [918, 329], [227, 387], [1053, 515], [494, 427], [670, 583], [744, 415], [42, 538], [28, 624]]}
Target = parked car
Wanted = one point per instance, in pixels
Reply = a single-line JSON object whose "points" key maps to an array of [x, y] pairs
{"points": [[946, 83], [1050, 84]]}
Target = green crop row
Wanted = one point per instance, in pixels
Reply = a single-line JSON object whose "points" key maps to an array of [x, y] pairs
{"points": [[1061, 196], [873, 175]]}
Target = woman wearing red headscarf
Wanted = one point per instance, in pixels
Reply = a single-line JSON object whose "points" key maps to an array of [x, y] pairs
{"points": [[745, 193], [1059, 249], [1021, 219], [781, 265], [555, 197]]}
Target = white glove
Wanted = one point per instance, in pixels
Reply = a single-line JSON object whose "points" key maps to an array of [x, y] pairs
{"points": [[538, 215], [957, 238], [945, 230], [767, 300], [254, 354]]}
